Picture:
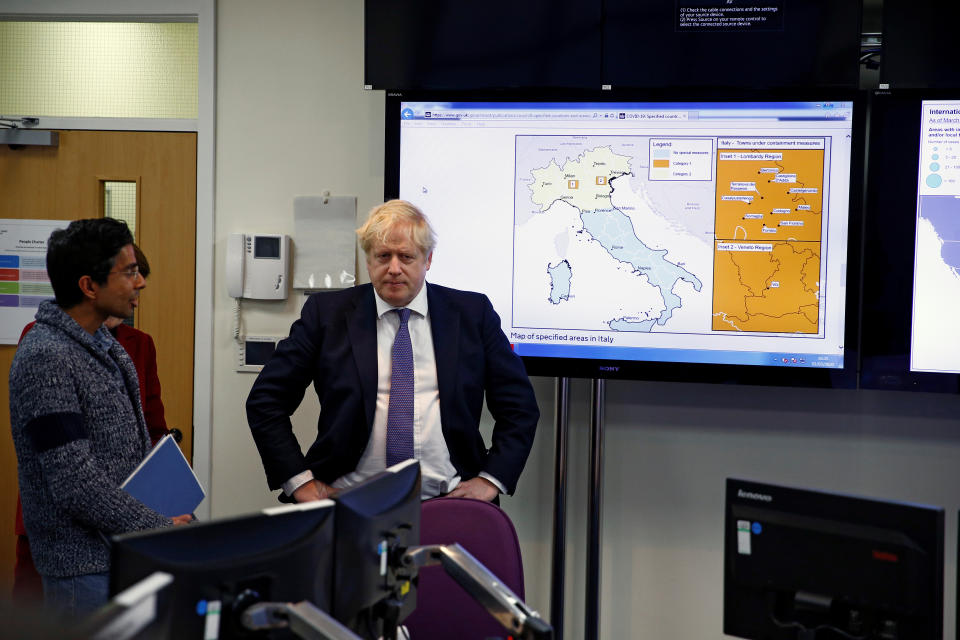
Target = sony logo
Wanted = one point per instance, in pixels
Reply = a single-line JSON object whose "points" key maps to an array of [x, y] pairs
{"points": [[603, 368], [749, 495]]}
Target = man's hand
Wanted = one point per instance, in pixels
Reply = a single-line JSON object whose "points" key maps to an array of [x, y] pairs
{"points": [[476, 488], [186, 518], [313, 490]]}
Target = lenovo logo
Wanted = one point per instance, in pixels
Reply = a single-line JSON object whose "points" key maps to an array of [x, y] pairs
{"points": [[750, 495]]}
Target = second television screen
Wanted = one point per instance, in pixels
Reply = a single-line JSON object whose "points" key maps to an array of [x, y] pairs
{"points": [[709, 232], [936, 285]]}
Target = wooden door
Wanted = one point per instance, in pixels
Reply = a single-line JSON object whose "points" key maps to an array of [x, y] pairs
{"points": [[66, 183]]}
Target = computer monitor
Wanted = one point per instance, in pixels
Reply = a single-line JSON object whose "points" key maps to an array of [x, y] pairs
{"points": [[648, 235], [812, 565], [375, 522], [220, 568]]}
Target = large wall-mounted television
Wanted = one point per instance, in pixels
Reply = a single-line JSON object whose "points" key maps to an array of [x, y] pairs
{"points": [[911, 283], [586, 44], [450, 44], [804, 564], [918, 44], [733, 43], [651, 237]]}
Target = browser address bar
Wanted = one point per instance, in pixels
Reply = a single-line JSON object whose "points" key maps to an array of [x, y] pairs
{"points": [[558, 115]]}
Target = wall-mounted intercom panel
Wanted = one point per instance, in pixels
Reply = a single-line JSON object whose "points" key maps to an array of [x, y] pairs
{"points": [[254, 351], [258, 266]]}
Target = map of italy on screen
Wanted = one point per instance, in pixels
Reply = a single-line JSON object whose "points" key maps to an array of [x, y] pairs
{"points": [[936, 275], [711, 232]]}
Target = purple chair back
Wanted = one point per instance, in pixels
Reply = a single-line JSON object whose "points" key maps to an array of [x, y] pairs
{"points": [[444, 610]]}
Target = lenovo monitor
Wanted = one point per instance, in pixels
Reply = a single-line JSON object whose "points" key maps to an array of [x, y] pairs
{"points": [[812, 565]]}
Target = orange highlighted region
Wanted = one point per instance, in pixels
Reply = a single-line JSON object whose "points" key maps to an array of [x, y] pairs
{"points": [[661, 163], [766, 287], [573, 184], [769, 194]]}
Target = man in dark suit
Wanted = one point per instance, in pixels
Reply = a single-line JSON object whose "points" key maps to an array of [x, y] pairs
{"points": [[401, 370]]}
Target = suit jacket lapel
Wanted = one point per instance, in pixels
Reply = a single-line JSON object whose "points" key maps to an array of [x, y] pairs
{"points": [[362, 329], [445, 327]]}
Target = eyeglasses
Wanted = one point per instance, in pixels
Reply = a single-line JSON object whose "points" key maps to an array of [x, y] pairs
{"points": [[130, 272]]}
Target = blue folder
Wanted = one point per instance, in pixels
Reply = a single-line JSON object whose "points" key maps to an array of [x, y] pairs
{"points": [[164, 481]]}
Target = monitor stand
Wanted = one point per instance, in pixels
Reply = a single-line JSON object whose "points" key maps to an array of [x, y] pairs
{"points": [[486, 588]]}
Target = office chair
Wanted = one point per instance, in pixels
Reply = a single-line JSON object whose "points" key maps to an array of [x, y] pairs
{"points": [[444, 610]]}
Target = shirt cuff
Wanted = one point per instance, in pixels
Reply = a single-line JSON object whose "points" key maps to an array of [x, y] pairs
{"points": [[496, 483], [297, 481]]}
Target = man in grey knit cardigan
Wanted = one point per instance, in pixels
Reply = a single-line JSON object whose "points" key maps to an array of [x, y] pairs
{"points": [[75, 412]]}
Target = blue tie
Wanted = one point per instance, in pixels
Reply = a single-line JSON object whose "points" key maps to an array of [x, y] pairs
{"points": [[400, 410]]}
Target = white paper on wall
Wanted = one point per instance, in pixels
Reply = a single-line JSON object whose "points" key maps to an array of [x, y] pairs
{"points": [[325, 245]]}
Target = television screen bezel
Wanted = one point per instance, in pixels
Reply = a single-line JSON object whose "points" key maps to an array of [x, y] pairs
{"points": [[843, 378]]}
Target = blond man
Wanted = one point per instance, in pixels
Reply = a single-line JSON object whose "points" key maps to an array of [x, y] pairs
{"points": [[401, 368]]}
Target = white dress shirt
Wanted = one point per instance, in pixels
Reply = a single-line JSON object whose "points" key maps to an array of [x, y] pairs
{"points": [[437, 473]]}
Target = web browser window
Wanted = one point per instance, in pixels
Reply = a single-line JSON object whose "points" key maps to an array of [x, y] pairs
{"points": [[702, 232]]}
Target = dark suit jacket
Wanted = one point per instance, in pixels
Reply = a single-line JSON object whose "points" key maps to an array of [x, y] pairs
{"points": [[334, 345]]}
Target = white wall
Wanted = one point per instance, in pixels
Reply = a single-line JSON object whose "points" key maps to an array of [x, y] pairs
{"points": [[293, 120], [669, 448]]}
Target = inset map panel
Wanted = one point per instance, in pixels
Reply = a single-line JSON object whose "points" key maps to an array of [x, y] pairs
{"points": [[769, 287], [769, 194]]}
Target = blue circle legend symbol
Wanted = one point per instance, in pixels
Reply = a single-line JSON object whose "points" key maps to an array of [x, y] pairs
{"points": [[934, 179], [757, 528]]}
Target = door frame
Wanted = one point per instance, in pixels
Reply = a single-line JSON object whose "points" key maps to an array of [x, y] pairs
{"points": [[204, 12]]}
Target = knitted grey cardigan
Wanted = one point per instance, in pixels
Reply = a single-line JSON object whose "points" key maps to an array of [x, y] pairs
{"points": [[79, 431]]}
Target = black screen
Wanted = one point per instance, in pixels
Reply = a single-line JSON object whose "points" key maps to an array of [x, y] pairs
{"points": [[585, 44], [257, 352], [496, 44], [733, 43], [919, 44], [266, 246]]}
